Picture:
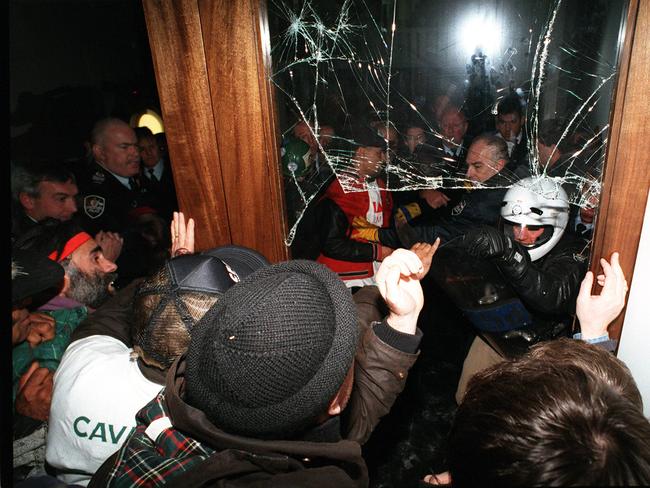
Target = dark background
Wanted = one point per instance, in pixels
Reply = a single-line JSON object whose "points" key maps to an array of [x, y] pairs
{"points": [[71, 63]]}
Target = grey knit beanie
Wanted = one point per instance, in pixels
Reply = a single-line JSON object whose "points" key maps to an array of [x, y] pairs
{"points": [[267, 358], [168, 304]]}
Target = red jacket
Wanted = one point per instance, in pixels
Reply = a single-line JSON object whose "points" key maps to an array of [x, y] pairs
{"points": [[349, 258]]}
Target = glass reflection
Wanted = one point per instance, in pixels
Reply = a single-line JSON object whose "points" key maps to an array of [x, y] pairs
{"points": [[405, 65]]}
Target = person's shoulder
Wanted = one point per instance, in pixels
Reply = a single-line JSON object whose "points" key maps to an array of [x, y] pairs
{"points": [[98, 345], [570, 247], [571, 239], [334, 186], [85, 172], [98, 179], [89, 358]]}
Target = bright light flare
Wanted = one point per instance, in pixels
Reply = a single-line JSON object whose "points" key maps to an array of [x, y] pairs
{"points": [[480, 32]]}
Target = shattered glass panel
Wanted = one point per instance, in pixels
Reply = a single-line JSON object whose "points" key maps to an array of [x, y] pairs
{"points": [[407, 67]]}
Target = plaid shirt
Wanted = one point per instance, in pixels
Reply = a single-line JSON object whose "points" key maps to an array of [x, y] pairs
{"points": [[143, 461]]}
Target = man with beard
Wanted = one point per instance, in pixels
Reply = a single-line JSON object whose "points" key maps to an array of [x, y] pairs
{"points": [[87, 282], [88, 274]]}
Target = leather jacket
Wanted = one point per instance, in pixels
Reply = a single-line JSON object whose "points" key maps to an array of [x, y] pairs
{"points": [[550, 285]]}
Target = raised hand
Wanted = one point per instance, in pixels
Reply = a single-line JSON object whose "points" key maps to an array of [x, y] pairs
{"points": [[111, 244], [441, 479], [425, 252], [399, 285], [182, 235], [434, 198], [42, 328], [486, 242], [19, 325], [596, 312]]}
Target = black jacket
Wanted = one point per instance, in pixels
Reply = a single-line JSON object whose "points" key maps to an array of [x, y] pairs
{"points": [[476, 207], [550, 285], [163, 191], [105, 203], [334, 231]]}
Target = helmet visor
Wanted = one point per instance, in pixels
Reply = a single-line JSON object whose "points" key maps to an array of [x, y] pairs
{"points": [[528, 235]]}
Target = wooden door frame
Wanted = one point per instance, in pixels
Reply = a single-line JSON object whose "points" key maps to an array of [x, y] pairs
{"points": [[212, 63], [626, 174]]}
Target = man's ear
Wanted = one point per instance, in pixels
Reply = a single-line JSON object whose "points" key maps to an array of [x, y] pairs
{"points": [[26, 200], [340, 400], [501, 163], [98, 152], [66, 285]]}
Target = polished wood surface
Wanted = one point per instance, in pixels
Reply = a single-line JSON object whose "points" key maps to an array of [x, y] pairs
{"points": [[626, 177], [244, 115], [210, 59], [178, 55]]}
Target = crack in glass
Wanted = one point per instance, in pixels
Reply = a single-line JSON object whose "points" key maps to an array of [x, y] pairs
{"points": [[337, 64]]}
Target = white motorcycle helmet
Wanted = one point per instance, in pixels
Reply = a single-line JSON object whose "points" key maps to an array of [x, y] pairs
{"points": [[535, 213]]}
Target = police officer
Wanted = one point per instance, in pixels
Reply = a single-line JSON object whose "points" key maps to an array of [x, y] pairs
{"points": [[537, 267], [111, 196], [110, 191]]}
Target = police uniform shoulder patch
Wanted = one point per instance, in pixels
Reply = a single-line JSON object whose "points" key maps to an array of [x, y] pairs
{"points": [[98, 177], [94, 206]]}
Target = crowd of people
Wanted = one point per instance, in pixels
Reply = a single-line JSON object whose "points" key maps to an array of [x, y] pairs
{"points": [[138, 361]]}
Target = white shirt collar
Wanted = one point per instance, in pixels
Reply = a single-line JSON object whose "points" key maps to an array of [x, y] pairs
{"points": [[157, 170], [453, 151], [122, 179]]}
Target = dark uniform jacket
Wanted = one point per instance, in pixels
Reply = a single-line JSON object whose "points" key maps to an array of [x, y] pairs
{"points": [[519, 156], [480, 206], [105, 203], [20, 222], [162, 190], [195, 452], [550, 285], [548, 289]]}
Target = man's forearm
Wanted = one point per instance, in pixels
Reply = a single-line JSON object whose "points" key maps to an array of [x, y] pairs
{"points": [[382, 362]]}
